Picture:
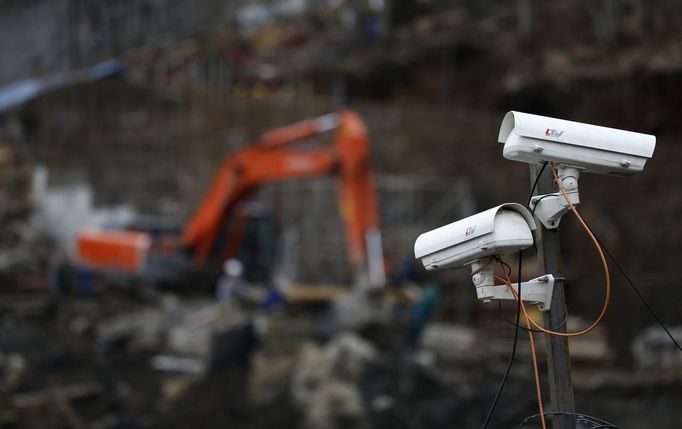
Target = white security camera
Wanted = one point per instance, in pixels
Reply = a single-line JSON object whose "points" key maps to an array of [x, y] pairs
{"points": [[506, 228], [475, 240], [590, 148]]}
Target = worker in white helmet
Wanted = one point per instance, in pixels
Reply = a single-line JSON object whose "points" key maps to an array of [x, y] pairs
{"points": [[231, 284]]}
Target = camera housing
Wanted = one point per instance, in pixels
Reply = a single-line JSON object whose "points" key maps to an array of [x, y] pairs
{"points": [[506, 228], [590, 148]]}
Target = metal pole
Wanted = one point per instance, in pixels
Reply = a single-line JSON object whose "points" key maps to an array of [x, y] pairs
{"points": [[556, 348]]}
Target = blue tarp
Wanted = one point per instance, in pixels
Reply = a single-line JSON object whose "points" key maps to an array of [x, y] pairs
{"points": [[18, 93]]}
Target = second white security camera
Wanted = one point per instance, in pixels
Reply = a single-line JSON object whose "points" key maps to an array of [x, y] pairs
{"points": [[533, 138], [506, 228], [475, 240]]}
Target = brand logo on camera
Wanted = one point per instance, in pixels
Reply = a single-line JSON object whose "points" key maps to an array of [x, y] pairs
{"points": [[553, 133]]}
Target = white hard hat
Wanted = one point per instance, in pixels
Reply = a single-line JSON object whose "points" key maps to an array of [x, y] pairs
{"points": [[233, 267]]}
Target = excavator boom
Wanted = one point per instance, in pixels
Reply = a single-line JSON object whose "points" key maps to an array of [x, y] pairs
{"points": [[239, 174]]}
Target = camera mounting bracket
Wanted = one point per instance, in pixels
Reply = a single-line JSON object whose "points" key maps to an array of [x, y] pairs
{"points": [[549, 208], [537, 291]]}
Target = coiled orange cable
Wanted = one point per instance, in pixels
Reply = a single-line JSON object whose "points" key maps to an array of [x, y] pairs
{"points": [[607, 276]]}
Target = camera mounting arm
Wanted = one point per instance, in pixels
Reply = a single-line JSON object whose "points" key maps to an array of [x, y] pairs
{"points": [[549, 208], [536, 291]]}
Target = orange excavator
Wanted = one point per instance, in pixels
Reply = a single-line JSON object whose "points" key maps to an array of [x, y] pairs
{"points": [[211, 235]]}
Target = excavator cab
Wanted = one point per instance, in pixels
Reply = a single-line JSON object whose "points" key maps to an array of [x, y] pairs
{"points": [[251, 237]]}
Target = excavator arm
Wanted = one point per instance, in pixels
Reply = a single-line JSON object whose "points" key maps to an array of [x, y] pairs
{"points": [[357, 199], [269, 160], [237, 176]]}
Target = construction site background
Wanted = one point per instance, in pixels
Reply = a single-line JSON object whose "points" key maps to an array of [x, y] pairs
{"points": [[432, 80]]}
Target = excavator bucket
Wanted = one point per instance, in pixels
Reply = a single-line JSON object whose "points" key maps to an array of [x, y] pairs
{"points": [[124, 251]]}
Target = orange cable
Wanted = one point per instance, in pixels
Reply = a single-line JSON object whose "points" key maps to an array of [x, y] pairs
{"points": [[607, 276], [530, 321], [534, 357], [537, 376]]}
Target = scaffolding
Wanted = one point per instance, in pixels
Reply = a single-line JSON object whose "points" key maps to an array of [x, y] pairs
{"points": [[312, 250]]}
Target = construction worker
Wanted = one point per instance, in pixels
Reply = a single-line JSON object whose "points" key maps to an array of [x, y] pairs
{"points": [[231, 284]]}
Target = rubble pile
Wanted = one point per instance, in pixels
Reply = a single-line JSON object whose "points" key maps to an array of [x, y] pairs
{"points": [[112, 358], [126, 358]]}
